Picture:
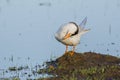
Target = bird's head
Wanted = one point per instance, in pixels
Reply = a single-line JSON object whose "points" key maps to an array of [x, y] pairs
{"points": [[68, 35], [70, 29]]}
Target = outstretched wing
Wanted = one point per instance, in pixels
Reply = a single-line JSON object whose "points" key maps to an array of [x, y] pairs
{"points": [[83, 23]]}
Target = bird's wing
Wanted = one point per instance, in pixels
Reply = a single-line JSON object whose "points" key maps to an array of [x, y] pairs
{"points": [[82, 26], [83, 23]]}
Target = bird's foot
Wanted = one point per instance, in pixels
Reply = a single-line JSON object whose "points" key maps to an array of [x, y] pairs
{"points": [[71, 53]]}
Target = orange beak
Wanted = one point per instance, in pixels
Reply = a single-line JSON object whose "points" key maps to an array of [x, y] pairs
{"points": [[67, 36]]}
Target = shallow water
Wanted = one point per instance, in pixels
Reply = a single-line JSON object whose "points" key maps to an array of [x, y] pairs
{"points": [[27, 29]]}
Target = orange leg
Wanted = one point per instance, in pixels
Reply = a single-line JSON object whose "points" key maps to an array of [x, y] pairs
{"points": [[66, 49], [73, 48], [72, 53]]}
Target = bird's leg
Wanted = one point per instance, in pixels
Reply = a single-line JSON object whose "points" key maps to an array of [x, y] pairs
{"points": [[72, 51], [73, 48], [66, 49]]}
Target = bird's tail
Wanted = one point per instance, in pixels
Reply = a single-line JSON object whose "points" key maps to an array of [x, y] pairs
{"points": [[84, 31]]}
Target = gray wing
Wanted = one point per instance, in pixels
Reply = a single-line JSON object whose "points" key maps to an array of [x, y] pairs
{"points": [[83, 23]]}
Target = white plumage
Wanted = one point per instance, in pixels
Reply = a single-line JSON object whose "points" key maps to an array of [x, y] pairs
{"points": [[69, 34]]}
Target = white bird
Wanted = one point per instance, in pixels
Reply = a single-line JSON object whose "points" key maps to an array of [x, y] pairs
{"points": [[69, 34]]}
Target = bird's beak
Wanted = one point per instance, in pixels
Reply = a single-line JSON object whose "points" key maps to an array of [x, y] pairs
{"points": [[67, 36]]}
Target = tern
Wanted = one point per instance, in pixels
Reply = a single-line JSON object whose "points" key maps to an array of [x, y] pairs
{"points": [[70, 33]]}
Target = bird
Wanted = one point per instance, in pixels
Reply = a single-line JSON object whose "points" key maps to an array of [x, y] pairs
{"points": [[70, 34]]}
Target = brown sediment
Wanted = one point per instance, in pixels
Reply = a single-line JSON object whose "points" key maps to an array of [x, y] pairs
{"points": [[85, 66]]}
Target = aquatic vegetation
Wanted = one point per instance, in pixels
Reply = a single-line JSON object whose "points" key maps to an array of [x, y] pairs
{"points": [[16, 79], [17, 68], [13, 68]]}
